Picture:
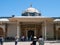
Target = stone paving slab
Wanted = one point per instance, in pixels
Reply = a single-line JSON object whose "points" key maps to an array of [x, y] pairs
{"points": [[28, 43]]}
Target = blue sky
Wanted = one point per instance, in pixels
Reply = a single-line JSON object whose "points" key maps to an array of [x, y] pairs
{"points": [[49, 8]]}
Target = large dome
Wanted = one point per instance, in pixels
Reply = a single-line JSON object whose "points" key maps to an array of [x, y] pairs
{"points": [[32, 10]]}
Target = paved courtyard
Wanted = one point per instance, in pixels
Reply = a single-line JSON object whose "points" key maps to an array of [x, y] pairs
{"points": [[28, 43]]}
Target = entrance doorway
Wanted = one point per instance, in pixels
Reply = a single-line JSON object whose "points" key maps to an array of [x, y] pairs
{"points": [[30, 34]]}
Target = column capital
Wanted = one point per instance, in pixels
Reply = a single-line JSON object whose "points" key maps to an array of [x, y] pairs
{"points": [[18, 23]]}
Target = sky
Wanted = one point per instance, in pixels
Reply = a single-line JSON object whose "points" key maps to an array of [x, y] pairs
{"points": [[48, 8]]}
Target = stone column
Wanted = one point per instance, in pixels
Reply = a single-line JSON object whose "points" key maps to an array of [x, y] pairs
{"points": [[18, 30], [35, 30], [3, 27], [42, 25], [5, 31], [45, 30]]}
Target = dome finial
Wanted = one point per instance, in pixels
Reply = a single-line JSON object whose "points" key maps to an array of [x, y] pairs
{"points": [[31, 5]]}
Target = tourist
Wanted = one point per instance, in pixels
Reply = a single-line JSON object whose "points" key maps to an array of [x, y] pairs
{"points": [[41, 41], [1, 40], [16, 40], [23, 38], [34, 40]]}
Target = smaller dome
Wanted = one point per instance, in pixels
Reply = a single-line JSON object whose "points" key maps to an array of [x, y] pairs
{"points": [[56, 20], [32, 10], [4, 19]]}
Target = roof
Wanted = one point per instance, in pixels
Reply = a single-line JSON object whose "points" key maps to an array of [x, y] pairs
{"points": [[31, 17]]}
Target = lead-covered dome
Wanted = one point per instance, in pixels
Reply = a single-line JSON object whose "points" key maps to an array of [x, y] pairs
{"points": [[31, 12]]}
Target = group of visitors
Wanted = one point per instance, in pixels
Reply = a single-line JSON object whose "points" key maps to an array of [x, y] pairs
{"points": [[23, 38], [40, 40]]}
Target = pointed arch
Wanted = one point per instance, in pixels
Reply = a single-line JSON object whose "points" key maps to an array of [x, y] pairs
{"points": [[1, 31]]}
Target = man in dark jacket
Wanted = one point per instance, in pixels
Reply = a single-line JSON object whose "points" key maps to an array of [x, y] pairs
{"points": [[1, 40], [34, 40]]}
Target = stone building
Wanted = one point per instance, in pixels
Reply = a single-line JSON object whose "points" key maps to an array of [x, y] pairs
{"points": [[30, 23]]}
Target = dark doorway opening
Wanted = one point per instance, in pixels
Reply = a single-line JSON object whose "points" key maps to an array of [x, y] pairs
{"points": [[30, 35]]}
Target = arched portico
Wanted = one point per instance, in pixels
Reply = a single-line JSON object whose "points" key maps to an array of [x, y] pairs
{"points": [[1, 32], [30, 29]]}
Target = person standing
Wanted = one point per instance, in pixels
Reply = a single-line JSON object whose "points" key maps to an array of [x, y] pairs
{"points": [[16, 40], [23, 38], [41, 41], [34, 40], [1, 40]]}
